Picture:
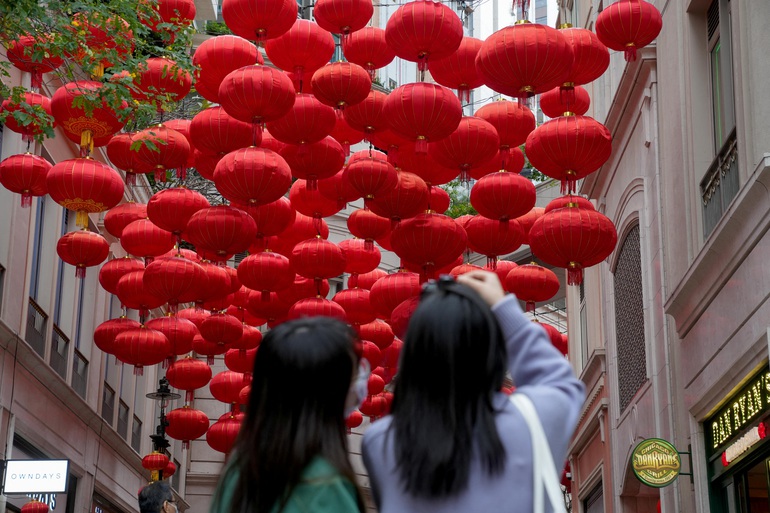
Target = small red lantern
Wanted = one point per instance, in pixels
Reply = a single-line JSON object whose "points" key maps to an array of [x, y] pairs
{"points": [[266, 272], [143, 238], [422, 30], [463, 269], [307, 121], [503, 196], [628, 25], [302, 228], [259, 22], [317, 161], [227, 385], [82, 249], [256, 94], [221, 231], [493, 238], [555, 335], [368, 116], [240, 360], [132, 294], [591, 60], [171, 209], [513, 162], [356, 304], [252, 176], [123, 157], [117, 218], [527, 220], [340, 84], [25, 53], [85, 186], [513, 122], [366, 280], [25, 174], [222, 329], [105, 333], [159, 78], [218, 56], [367, 225], [34, 127], [35, 506], [408, 198], [115, 269], [172, 279], [188, 374], [141, 347], [553, 103], [311, 202], [304, 48], [316, 307], [162, 149], [214, 131], [178, 330], [353, 420], [458, 70], [378, 332], [532, 283], [343, 16], [371, 176], [368, 48], [392, 290], [425, 167], [338, 189], [222, 434], [317, 259], [429, 241], [474, 142], [358, 258]]}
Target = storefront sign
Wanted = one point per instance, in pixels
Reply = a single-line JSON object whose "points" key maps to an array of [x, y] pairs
{"points": [[743, 444], [35, 476], [740, 411], [656, 462]]}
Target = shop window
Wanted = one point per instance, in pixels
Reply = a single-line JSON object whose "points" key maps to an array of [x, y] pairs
{"points": [[79, 373], [594, 503], [60, 344], [123, 416], [37, 320], [629, 319], [136, 434], [108, 403]]}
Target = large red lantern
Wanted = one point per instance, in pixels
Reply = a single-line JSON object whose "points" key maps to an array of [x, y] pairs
{"points": [[367, 225], [85, 186], [368, 116], [144, 239], [366, 280], [141, 347], [155, 461], [160, 79], [317, 259], [356, 304], [161, 149], [222, 434], [316, 307], [512, 162], [503, 196], [188, 374], [311, 202], [256, 94], [89, 129], [218, 56], [221, 231], [115, 269], [368, 48], [337, 188], [259, 21], [186, 424], [492, 238], [343, 16], [502, 268], [307, 121], [25, 174], [628, 25], [346, 135], [171, 209], [317, 161], [214, 131], [591, 59], [474, 142], [250, 339], [266, 272], [123, 157], [371, 176], [569, 148], [573, 238], [358, 258], [532, 283], [423, 112], [242, 361], [105, 333], [28, 54], [304, 48], [525, 59], [458, 70], [340, 84], [429, 241], [527, 220], [392, 290], [172, 279], [407, 199], [554, 103], [271, 218], [253, 176], [378, 332], [423, 30], [302, 228], [226, 386], [425, 167], [513, 122], [117, 218], [82, 249], [34, 104], [221, 329], [133, 295], [178, 330]]}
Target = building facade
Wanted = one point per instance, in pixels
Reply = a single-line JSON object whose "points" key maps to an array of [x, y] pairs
{"points": [[670, 334]]}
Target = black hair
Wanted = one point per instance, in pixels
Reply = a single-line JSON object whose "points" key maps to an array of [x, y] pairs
{"points": [[452, 362], [152, 497], [302, 373]]}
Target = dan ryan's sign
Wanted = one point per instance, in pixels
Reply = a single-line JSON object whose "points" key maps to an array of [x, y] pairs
{"points": [[35, 476]]}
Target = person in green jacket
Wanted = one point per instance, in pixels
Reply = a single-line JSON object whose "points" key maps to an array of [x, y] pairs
{"points": [[291, 453]]}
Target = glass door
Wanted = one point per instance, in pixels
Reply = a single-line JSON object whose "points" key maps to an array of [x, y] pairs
{"points": [[753, 496]]}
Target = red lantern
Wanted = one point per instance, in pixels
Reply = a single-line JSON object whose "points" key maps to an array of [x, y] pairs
{"points": [[513, 122], [304, 48], [537, 58], [194, 315], [425, 167], [358, 258], [172, 279], [420, 30], [429, 240], [338, 189], [392, 290], [222, 434], [259, 22], [186, 424], [308, 121], [214, 131], [221, 329], [474, 142], [171, 209], [311, 202], [25, 174], [458, 70], [266, 272], [256, 94], [180, 13], [317, 259], [178, 330], [346, 135], [132, 294], [503, 196], [89, 129], [527, 220], [161, 149], [188, 374], [423, 112], [28, 107], [514, 162], [82, 249], [377, 332], [555, 335], [391, 142], [553, 103], [26, 55], [250, 339], [569, 148], [399, 319], [141, 347], [356, 304], [371, 176], [143, 238], [271, 309], [371, 352], [463, 269], [85, 186], [302, 228], [102, 37], [105, 333], [343, 16], [368, 48], [208, 349], [627, 25], [252, 176], [115, 269], [407, 199], [493, 238], [352, 421], [340, 84], [240, 361], [532, 283], [367, 225], [316, 307], [271, 218], [573, 238], [158, 79], [117, 218], [222, 231], [216, 57], [366, 280], [373, 406], [123, 157], [569, 201], [155, 461], [591, 60], [391, 354], [317, 161], [227, 385], [368, 116]]}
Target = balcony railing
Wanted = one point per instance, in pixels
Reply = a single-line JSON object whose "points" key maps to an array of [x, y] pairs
{"points": [[720, 185], [79, 374], [59, 351], [36, 324]]}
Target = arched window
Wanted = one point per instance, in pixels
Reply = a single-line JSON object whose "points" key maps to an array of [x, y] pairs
{"points": [[629, 319]]}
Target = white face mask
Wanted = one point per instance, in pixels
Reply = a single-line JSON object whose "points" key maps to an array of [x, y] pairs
{"points": [[359, 388]]}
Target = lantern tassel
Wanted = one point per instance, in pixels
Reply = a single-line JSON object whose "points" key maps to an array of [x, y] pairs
{"points": [[26, 200], [505, 153], [265, 296], [210, 360], [188, 396], [465, 173], [37, 78], [346, 148], [81, 219], [130, 178], [530, 306], [492, 262], [27, 137], [574, 274], [630, 53], [368, 244], [181, 173], [86, 143], [312, 183], [353, 281], [138, 370], [173, 308], [421, 146], [567, 96], [185, 445], [372, 71], [80, 272]]}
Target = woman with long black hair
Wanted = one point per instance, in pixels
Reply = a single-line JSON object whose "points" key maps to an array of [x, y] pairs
{"points": [[291, 453], [453, 441]]}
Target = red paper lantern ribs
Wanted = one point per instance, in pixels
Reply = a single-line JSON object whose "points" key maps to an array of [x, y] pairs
{"points": [[628, 25]]}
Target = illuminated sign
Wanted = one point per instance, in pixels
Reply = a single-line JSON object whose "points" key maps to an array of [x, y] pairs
{"points": [[35, 476], [656, 462], [740, 411], [743, 444]]}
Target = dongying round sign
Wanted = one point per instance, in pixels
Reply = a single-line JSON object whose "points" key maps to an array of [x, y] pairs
{"points": [[656, 462]]}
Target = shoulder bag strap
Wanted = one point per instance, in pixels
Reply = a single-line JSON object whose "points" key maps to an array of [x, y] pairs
{"points": [[542, 460]]}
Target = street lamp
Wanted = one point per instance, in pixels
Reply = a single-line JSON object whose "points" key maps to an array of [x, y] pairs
{"points": [[164, 396]]}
